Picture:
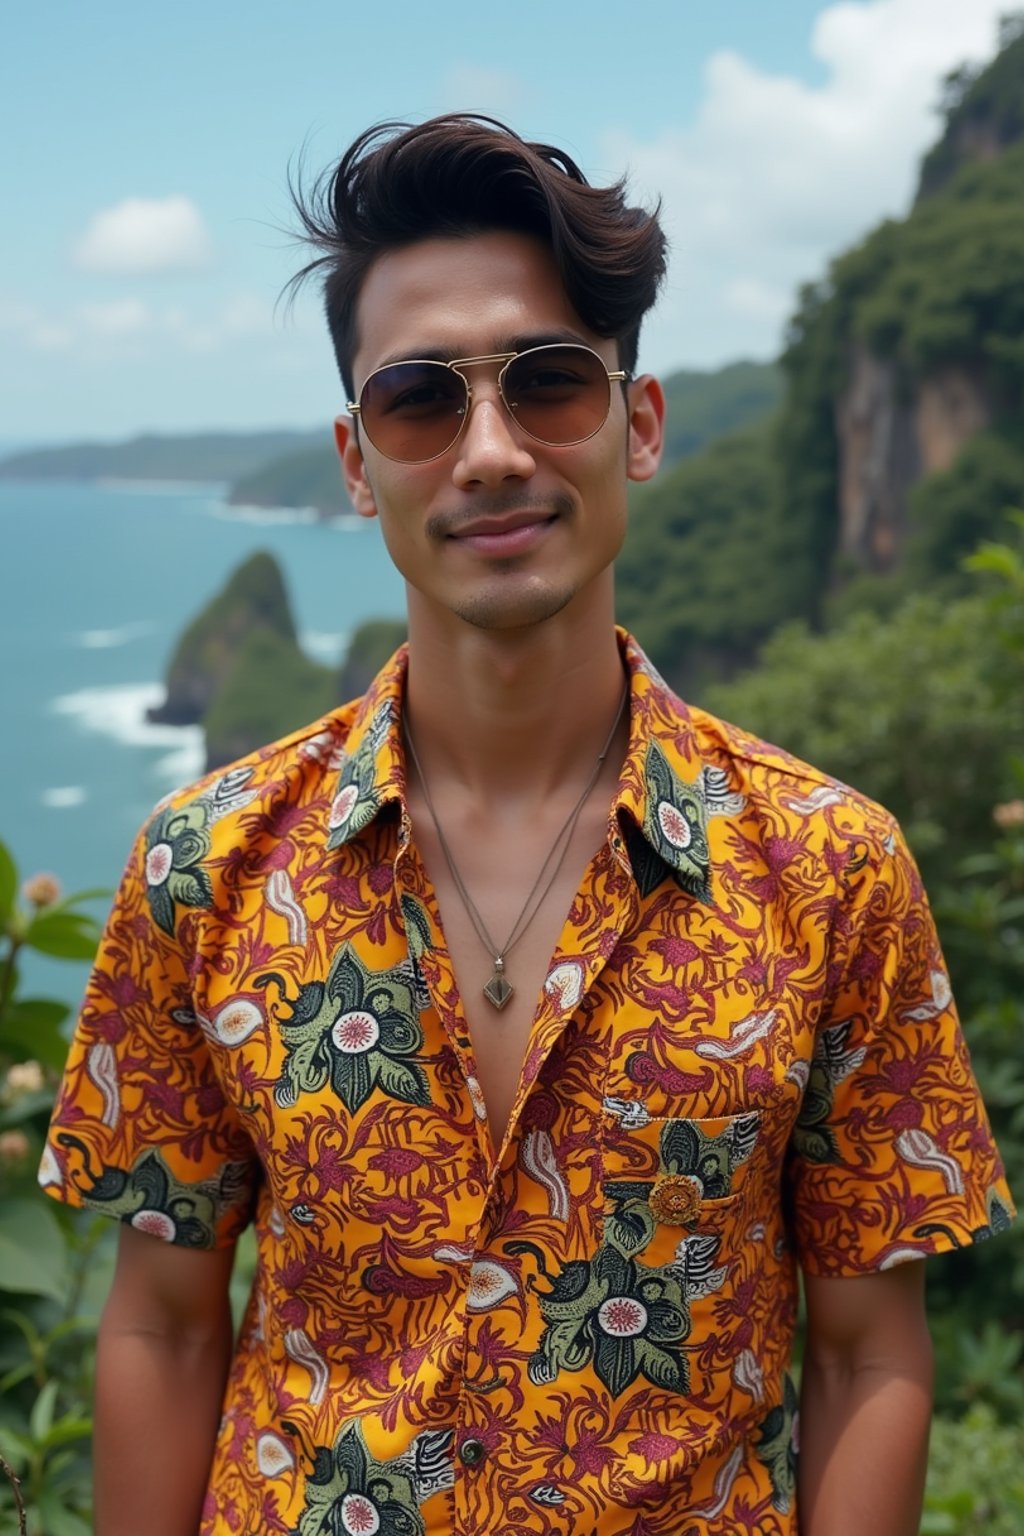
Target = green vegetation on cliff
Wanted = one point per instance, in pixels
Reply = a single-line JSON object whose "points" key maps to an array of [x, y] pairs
{"points": [[691, 579], [983, 108], [253, 600], [205, 456], [239, 671], [939, 290], [703, 406], [273, 688], [310, 477], [744, 535], [371, 645]]}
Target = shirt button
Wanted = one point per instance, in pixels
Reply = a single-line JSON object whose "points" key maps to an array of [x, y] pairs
{"points": [[472, 1452]]}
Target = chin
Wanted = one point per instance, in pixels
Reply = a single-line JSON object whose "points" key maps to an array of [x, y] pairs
{"points": [[505, 610]]}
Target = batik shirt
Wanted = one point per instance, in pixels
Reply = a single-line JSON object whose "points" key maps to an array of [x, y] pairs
{"points": [[744, 1059]]}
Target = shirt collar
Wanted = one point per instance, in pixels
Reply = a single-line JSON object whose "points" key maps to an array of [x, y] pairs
{"points": [[666, 796]]}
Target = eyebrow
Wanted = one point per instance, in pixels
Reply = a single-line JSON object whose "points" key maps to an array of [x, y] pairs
{"points": [[560, 336]]}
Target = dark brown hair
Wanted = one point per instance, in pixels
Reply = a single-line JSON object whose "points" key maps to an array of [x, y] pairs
{"points": [[462, 174]]}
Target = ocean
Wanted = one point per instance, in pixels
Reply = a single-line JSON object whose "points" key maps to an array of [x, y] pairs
{"points": [[98, 581]]}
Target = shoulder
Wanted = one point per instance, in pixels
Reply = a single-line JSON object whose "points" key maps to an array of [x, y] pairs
{"points": [[785, 796], [288, 767]]}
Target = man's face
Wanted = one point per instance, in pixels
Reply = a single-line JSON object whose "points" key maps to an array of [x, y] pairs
{"points": [[501, 530]]}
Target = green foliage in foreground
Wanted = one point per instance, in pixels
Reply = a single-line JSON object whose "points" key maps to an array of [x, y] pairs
{"points": [[910, 709], [975, 1477], [924, 711], [54, 1264]]}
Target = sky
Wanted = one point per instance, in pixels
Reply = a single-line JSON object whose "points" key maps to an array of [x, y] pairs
{"points": [[147, 150]]}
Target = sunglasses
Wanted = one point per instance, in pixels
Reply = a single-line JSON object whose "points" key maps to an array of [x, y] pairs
{"points": [[414, 411]]}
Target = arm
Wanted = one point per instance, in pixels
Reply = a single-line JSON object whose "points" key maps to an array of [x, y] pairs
{"points": [[163, 1351], [865, 1404]]}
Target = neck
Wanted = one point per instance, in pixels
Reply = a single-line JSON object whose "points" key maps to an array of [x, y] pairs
{"points": [[515, 716]]}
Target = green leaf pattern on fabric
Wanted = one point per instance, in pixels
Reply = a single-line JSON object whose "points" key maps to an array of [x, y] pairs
{"points": [[359, 1030], [619, 1317]]}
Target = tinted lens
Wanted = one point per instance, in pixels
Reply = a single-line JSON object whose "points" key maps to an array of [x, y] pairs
{"points": [[413, 411], [558, 394]]}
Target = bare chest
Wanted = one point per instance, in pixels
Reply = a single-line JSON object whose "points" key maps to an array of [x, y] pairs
{"points": [[498, 873]]}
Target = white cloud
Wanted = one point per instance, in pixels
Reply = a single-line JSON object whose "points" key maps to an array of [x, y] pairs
{"points": [[129, 326], [774, 176], [144, 237]]}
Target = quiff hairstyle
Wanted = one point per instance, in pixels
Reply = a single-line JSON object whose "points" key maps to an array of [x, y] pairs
{"points": [[464, 174]]}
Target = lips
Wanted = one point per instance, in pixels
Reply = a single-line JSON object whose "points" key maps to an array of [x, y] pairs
{"points": [[498, 525]]}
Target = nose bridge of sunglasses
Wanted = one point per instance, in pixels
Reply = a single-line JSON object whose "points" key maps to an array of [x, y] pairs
{"points": [[501, 361]]}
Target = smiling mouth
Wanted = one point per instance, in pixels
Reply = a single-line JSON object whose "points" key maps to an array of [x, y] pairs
{"points": [[498, 517], [500, 527], [505, 537]]}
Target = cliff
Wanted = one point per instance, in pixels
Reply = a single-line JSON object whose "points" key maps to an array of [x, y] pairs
{"points": [[931, 334], [899, 440], [254, 600]]}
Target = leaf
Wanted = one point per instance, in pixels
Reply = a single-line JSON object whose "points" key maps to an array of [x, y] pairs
{"points": [[404, 1080], [8, 884], [632, 1228], [67, 1430], [57, 1519], [68, 935], [94, 893], [41, 1418], [32, 1256], [30, 1027]]}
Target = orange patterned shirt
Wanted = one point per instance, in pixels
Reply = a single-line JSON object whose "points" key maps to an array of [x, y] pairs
{"points": [[745, 1059]]}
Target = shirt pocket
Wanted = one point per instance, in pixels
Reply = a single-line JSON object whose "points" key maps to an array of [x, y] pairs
{"points": [[668, 1180]]}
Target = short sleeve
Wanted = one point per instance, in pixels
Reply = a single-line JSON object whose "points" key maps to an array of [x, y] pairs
{"points": [[141, 1129], [892, 1157]]}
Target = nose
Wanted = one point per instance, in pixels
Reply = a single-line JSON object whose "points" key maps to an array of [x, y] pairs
{"points": [[492, 448]]}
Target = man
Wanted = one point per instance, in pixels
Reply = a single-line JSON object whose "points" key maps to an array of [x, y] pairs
{"points": [[545, 1026]]}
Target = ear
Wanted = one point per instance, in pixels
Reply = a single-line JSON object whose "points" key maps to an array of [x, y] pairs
{"points": [[353, 468], [646, 404]]}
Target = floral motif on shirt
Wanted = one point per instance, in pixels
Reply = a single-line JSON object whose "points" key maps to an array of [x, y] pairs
{"points": [[675, 823], [625, 1320], [777, 1444], [152, 1200], [350, 1493], [357, 1030], [833, 1061], [177, 842], [693, 1167], [357, 797]]}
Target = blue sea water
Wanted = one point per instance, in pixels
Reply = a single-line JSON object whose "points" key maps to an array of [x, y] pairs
{"points": [[96, 584]]}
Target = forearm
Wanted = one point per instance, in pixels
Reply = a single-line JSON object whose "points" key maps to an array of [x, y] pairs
{"points": [[864, 1446], [158, 1402]]}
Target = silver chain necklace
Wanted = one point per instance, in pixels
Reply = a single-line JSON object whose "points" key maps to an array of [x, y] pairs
{"points": [[499, 989]]}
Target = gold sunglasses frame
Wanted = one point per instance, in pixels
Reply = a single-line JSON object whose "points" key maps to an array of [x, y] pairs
{"points": [[456, 365]]}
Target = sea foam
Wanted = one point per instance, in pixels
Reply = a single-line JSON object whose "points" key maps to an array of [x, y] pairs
{"points": [[119, 711], [65, 797], [107, 639]]}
